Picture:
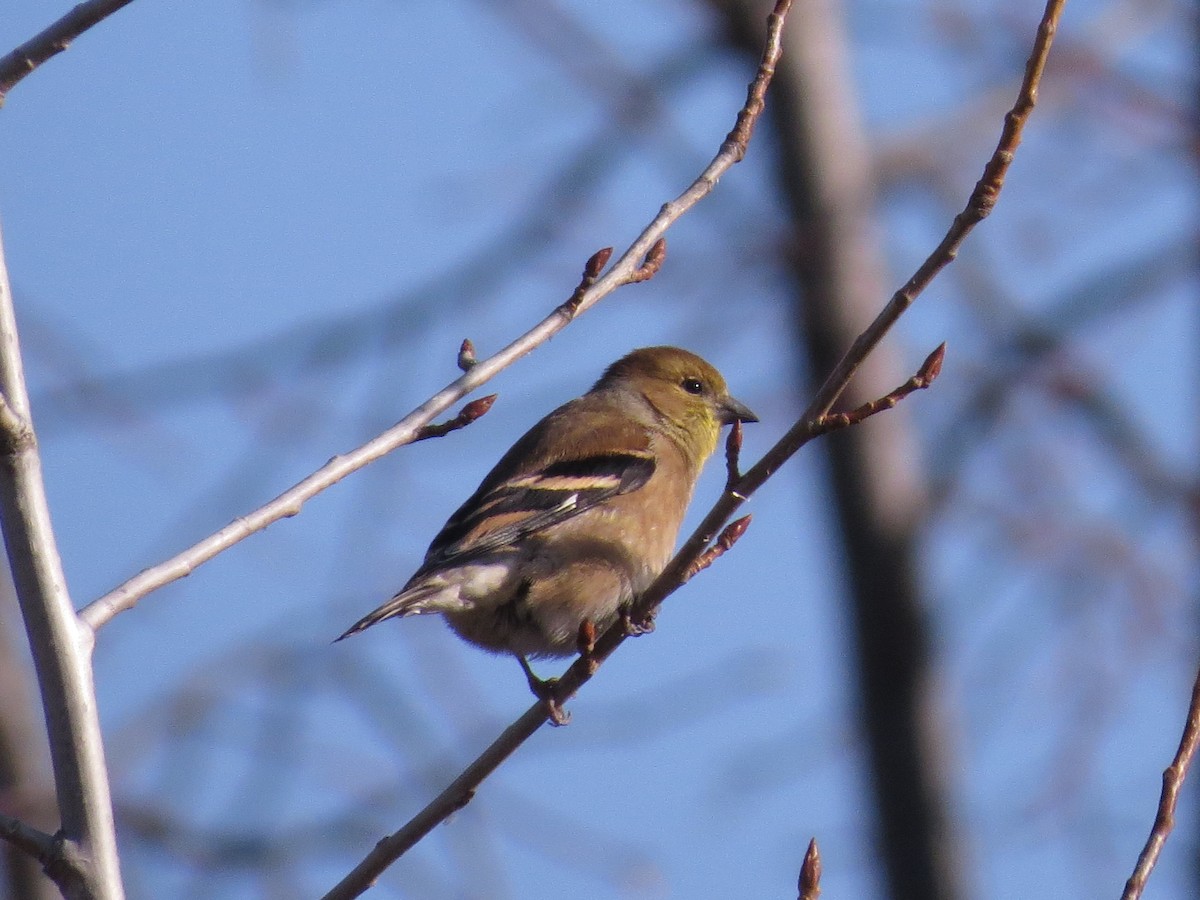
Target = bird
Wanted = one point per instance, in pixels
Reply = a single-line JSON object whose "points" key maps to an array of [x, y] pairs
{"points": [[579, 516]]}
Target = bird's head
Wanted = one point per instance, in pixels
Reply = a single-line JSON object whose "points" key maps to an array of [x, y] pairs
{"points": [[689, 395]]}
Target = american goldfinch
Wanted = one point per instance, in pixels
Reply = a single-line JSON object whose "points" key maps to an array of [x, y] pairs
{"points": [[580, 515]]}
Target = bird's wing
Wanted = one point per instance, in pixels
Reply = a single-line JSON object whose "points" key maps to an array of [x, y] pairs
{"points": [[512, 510], [534, 501]]}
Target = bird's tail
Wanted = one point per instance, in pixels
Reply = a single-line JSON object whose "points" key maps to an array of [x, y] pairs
{"points": [[412, 602]]}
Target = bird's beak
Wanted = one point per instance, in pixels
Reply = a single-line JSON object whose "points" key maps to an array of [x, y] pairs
{"points": [[732, 410]]}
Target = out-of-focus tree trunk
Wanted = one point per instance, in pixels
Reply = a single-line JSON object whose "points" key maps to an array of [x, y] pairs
{"points": [[25, 789], [840, 285]]}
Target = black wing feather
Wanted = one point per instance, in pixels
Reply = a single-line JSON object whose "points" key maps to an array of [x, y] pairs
{"points": [[560, 491]]}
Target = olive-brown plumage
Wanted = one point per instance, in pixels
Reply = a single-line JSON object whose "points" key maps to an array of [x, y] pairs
{"points": [[580, 515]]}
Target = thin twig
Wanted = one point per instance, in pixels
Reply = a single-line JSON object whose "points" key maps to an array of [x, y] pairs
{"points": [[930, 369], [457, 795], [652, 263], [390, 848], [52, 40], [700, 550], [1172, 782], [472, 411], [729, 536], [733, 452], [591, 271]]}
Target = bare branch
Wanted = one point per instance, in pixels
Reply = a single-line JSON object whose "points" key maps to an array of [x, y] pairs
{"points": [[85, 859], [1164, 819], [809, 884], [642, 252], [411, 428], [52, 41]]}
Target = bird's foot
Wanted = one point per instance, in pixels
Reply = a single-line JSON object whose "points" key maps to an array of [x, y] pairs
{"points": [[544, 690], [644, 625]]}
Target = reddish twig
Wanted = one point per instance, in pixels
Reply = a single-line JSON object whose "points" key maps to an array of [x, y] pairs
{"points": [[472, 411], [930, 369], [53, 40], [809, 883], [739, 136], [1172, 782], [591, 271], [729, 536], [733, 452], [651, 264]]}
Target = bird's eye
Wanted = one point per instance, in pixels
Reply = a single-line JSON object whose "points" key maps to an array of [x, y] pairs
{"points": [[693, 385]]}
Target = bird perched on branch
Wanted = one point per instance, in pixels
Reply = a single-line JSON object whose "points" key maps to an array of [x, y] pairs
{"points": [[580, 515]]}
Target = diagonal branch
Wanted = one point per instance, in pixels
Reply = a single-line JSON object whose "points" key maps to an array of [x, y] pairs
{"points": [[463, 788], [1164, 819], [52, 40]]}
